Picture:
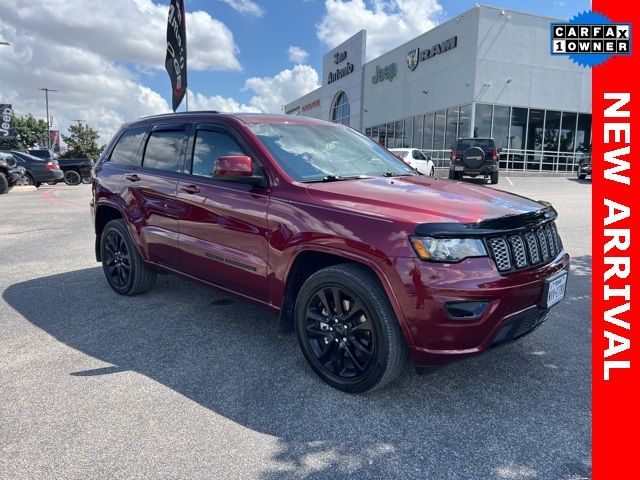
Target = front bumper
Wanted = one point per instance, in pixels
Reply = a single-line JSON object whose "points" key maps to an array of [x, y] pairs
{"points": [[514, 305]]}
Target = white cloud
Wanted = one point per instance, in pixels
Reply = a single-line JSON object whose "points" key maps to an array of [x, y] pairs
{"points": [[123, 30], [80, 48], [274, 92], [199, 101], [297, 55], [389, 23], [246, 6]]}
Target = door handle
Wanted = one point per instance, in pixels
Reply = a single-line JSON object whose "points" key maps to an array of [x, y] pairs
{"points": [[190, 189], [132, 177]]}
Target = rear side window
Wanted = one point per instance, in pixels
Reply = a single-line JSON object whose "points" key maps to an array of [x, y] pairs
{"points": [[126, 150], [208, 147], [164, 151]]}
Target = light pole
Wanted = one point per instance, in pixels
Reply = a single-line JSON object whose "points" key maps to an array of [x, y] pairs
{"points": [[46, 99]]}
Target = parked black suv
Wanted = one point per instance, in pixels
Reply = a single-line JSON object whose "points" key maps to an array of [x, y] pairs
{"points": [[473, 157], [584, 164]]}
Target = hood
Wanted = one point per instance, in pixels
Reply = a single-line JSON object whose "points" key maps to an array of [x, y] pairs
{"points": [[422, 199]]}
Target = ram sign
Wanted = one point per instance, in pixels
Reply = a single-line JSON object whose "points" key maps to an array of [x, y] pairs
{"points": [[6, 121]]}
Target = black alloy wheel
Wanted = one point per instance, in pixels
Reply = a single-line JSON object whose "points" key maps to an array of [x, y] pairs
{"points": [[339, 332], [347, 330], [71, 177], [123, 267], [117, 260]]}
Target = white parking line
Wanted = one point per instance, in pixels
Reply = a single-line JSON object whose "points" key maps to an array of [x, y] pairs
{"points": [[509, 180]]}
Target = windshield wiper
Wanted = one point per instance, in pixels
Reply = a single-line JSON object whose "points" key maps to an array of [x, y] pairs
{"points": [[336, 178], [391, 174]]}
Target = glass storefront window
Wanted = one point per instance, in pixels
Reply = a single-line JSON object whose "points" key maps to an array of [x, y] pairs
{"points": [[568, 131], [551, 131], [390, 135], [583, 134], [408, 133], [482, 127], [464, 123], [438, 130], [518, 134], [452, 128], [374, 134], [427, 132], [417, 132], [367, 132], [500, 132], [536, 129], [399, 134]]}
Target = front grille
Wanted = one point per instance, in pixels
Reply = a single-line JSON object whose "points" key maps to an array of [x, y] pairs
{"points": [[520, 325], [525, 249]]}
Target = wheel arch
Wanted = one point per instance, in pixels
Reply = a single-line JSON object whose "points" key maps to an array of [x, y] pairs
{"points": [[307, 261], [105, 212]]}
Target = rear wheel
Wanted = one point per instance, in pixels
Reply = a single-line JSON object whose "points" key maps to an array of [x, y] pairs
{"points": [[28, 180], [71, 177], [347, 330], [582, 176], [432, 173], [494, 178], [453, 175], [4, 183], [126, 273]]}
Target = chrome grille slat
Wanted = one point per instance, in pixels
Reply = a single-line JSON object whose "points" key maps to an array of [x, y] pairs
{"points": [[517, 248], [500, 252], [534, 253], [525, 249], [542, 238]]}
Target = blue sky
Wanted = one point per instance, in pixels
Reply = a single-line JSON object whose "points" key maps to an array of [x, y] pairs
{"points": [[263, 41]]}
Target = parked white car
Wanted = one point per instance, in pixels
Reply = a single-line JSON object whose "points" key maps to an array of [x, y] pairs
{"points": [[416, 159]]}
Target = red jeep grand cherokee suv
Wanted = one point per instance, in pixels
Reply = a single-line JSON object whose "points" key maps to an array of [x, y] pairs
{"points": [[370, 262]]}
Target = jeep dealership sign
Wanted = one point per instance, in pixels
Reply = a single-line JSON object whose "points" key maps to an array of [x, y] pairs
{"points": [[387, 72], [416, 55], [338, 58], [6, 121]]}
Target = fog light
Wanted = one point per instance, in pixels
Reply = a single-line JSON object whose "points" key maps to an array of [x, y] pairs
{"points": [[465, 310]]}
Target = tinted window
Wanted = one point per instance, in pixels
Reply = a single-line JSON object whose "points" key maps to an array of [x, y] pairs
{"points": [[126, 151], [209, 146], [164, 151], [466, 144]]}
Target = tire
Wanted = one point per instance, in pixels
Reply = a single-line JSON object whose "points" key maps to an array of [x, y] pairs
{"points": [[71, 177], [352, 362], [494, 178], [86, 180], [4, 183], [119, 254], [38, 184], [453, 175], [52, 183], [28, 180], [582, 176], [432, 173]]}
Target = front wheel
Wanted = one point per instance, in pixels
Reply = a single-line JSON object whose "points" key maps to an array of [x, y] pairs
{"points": [[4, 183], [126, 273], [347, 331], [494, 178], [71, 177], [582, 176]]}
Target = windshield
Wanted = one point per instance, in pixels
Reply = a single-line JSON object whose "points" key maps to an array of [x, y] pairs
{"points": [[311, 153], [400, 153]]}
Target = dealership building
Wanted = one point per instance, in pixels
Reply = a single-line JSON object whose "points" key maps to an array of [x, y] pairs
{"points": [[485, 73]]}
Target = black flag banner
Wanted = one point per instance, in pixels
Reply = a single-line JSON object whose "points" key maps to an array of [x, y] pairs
{"points": [[176, 60], [6, 121]]}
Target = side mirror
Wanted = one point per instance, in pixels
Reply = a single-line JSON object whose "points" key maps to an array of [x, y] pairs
{"points": [[429, 158], [236, 168]]}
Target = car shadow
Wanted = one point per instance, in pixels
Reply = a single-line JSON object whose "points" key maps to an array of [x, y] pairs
{"points": [[226, 355], [580, 180]]}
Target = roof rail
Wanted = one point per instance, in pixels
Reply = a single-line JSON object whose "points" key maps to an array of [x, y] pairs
{"points": [[179, 113]]}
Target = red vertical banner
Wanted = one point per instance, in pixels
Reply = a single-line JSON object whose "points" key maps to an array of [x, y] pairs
{"points": [[616, 256]]}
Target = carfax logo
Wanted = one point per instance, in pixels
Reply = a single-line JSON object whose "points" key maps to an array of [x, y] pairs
{"points": [[590, 39]]}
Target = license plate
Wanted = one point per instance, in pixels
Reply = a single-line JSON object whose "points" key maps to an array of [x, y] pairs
{"points": [[555, 288], [459, 168]]}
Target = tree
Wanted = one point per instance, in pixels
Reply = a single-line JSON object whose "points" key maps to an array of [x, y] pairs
{"points": [[28, 130], [82, 141]]}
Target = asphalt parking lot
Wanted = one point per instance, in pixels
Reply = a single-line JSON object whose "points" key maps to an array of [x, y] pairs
{"points": [[185, 382]]}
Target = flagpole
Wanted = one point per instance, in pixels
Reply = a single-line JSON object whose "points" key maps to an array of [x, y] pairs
{"points": [[186, 97]]}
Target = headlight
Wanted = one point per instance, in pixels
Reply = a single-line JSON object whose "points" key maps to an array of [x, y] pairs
{"points": [[448, 249]]}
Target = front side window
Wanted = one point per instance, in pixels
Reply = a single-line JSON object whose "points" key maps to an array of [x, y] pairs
{"points": [[164, 151], [208, 147], [341, 109], [126, 150], [316, 152]]}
